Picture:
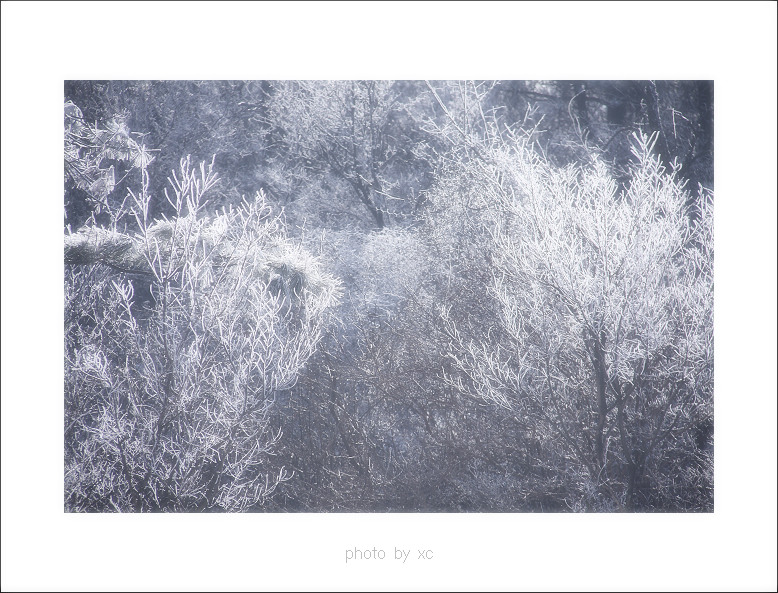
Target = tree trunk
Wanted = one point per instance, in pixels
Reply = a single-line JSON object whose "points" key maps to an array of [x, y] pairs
{"points": [[651, 99]]}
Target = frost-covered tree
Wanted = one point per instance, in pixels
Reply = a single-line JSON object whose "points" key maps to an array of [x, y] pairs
{"points": [[168, 395], [603, 345], [348, 147], [94, 157]]}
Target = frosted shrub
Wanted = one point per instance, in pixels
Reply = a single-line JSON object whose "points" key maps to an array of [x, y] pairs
{"points": [[168, 397], [604, 344], [88, 150], [391, 265]]}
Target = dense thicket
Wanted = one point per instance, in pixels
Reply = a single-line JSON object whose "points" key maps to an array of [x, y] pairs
{"points": [[445, 296]]}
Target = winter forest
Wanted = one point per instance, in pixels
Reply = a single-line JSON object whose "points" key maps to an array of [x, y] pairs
{"points": [[388, 296]]}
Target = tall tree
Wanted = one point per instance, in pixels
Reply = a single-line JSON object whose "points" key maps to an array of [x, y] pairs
{"points": [[603, 345]]}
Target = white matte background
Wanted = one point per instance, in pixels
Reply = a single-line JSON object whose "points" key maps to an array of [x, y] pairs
{"points": [[44, 43]]}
